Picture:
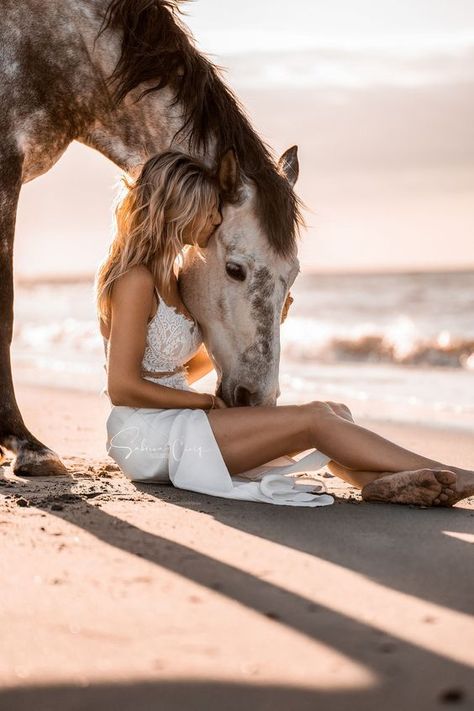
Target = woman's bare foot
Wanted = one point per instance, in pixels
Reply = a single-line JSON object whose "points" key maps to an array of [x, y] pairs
{"points": [[424, 487]]}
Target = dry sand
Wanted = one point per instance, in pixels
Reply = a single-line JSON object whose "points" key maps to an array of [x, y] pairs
{"points": [[115, 595]]}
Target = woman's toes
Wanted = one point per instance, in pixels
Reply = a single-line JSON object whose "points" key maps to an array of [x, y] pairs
{"points": [[446, 477], [448, 481]]}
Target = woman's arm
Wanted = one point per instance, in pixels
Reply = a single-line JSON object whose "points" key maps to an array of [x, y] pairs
{"points": [[199, 365], [132, 298]]}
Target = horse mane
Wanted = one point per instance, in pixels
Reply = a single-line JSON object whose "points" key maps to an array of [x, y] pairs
{"points": [[157, 47]]}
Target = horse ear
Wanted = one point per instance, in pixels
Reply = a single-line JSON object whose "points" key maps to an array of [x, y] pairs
{"points": [[289, 165], [228, 174]]}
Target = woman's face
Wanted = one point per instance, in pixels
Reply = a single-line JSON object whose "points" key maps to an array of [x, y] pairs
{"points": [[213, 220]]}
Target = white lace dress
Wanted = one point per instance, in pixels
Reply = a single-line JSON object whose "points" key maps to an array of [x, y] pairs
{"points": [[177, 445]]}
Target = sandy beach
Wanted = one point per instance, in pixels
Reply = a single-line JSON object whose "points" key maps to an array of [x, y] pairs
{"points": [[144, 596]]}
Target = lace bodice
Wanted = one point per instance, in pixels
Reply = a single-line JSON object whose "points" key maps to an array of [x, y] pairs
{"points": [[172, 339]]}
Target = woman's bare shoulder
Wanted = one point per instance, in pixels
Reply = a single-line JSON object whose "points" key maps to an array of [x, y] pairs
{"points": [[137, 273], [131, 301], [138, 279], [133, 296]]}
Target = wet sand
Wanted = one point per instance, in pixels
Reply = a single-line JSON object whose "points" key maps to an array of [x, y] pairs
{"points": [[144, 596]]}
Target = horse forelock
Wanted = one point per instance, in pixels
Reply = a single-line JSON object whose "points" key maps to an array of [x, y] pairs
{"points": [[158, 48]]}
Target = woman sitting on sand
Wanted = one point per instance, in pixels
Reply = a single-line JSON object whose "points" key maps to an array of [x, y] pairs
{"points": [[155, 352]]}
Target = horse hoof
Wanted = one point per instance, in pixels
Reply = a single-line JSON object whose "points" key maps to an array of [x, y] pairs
{"points": [[38, 462]]}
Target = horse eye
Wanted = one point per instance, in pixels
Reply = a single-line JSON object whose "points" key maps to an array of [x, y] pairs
{"points": [[236, 271]]}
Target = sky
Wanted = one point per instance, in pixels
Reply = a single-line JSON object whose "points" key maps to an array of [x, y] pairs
{"points": [[301, 24], [378, 96]]}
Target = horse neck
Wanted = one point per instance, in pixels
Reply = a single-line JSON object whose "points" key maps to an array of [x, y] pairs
{"points": [[131, 133]]}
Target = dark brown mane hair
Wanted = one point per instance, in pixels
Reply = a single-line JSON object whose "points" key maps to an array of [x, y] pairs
{"points": [[157, 47]]}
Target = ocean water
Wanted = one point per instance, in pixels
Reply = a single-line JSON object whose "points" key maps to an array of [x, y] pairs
{"points": [[392, 346]]}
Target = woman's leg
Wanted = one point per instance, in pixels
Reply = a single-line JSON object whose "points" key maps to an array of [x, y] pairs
{"points": [[424, 481], [249, 437], [423, 486], [355, 477]]}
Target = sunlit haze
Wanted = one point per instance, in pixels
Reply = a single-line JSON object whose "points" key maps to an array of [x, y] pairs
{"points": [[379, 98]]}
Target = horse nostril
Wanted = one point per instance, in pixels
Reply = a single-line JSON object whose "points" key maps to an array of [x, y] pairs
{"points": [[242, 396]]}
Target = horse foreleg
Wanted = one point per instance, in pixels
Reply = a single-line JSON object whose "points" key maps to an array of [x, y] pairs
{"points": [[33, 458]]}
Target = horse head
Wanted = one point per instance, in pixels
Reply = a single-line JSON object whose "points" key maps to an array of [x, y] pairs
{"points": [[238, 291]]}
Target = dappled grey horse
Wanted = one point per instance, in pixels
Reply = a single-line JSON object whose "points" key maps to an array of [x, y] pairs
{"points": [[125, 78]]}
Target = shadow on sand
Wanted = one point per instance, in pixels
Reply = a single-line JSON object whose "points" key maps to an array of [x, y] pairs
{"points": [[392, 545]]}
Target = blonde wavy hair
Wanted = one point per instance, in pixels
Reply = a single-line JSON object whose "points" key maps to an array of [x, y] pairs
{"points": [[174, 192]]}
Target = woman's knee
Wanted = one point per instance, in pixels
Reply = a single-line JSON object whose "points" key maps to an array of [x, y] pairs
{"points": [[320, 414], [341, 410], [319, 408], [325, 408]]}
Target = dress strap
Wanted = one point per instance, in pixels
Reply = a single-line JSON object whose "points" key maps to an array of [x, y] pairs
{"points": [[158, 298]]}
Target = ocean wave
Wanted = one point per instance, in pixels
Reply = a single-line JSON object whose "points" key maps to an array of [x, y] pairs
{"points": [[397, 345], [303, 339], [69, 334]]}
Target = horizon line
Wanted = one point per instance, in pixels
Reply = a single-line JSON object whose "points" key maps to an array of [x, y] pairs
{"points": [[88, 277]]}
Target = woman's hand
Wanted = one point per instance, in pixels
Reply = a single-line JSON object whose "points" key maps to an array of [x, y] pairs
{"points": [[215, 402], [219, 403], [289, 300]]}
